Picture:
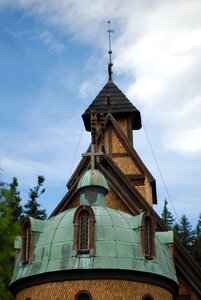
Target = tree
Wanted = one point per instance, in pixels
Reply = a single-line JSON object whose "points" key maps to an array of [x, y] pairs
{"points": [[196, 251], [176, 229], [167, 216], [13, 198], [11, 213], [32, 207], [9, 229], [185, 233]]}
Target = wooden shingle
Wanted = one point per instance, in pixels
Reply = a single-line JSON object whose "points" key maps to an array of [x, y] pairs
{"points": [[118, 105]]}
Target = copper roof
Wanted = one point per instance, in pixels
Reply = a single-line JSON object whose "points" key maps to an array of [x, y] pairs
{"points": [[117, 240]]}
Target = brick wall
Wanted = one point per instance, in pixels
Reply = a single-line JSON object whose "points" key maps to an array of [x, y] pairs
{"points": [[99, 290]]}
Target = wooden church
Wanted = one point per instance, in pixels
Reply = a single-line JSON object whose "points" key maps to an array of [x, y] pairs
{"points": [[104, 240]]}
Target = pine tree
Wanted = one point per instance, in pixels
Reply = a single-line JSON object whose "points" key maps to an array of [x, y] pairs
{"points": [[186, 233], [32, 208], [196, 251], [10, 215], [13, 198], [9, 229], [176, 229], [167, 216]]}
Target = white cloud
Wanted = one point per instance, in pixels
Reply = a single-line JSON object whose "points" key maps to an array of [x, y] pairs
{"points": [[187, 142], [156, 47], [49, 40]]}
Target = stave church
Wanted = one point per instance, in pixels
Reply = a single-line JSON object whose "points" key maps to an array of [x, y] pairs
{"points": [[104, 240]]}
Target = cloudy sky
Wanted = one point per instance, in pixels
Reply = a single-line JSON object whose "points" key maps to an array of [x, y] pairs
{"points": [[53, 62]]}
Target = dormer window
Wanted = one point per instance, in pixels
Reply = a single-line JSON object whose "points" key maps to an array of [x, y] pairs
{"points": [[84, 220], [27, 241], [148, 237]]}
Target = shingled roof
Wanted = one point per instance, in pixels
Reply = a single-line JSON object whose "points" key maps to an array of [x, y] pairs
{"points": [[118, 106]]}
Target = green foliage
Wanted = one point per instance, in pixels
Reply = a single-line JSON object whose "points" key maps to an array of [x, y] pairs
{"points": [[176, 229], [196, 251], [11, 214], [13, 198], [32, 208], [186, 233], [9, 229], [191, 239], [167, 216]]}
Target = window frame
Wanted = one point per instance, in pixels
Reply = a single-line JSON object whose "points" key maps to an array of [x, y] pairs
{"points": [[148, 295], [83, 292], [76, 222], [148, 251], [27, 241]]}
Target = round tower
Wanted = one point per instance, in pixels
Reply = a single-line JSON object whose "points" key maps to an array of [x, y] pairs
{"points": [[94, 252]]}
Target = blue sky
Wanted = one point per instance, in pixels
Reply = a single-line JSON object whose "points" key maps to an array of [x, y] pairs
{"points": [[53, 62]]}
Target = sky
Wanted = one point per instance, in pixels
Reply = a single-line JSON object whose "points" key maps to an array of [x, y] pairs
{"points": [[53, 63]]}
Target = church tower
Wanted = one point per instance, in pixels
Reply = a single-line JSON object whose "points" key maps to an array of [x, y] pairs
{"points": [[104, 240]]}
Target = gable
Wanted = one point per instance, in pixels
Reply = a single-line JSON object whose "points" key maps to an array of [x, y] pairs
{"points": [[119, 148]]}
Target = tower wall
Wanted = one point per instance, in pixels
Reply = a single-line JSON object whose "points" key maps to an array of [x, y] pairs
{"points": [[99, 290]]}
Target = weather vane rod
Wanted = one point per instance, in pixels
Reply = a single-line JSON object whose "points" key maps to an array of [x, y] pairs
{"points": [[110, 52]]}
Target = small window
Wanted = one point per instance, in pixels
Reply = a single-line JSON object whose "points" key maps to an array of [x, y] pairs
{"points": [[147, 297], [26, 241], [84, 220], [83, 295], [91, 196], [148, 237], [84, 231]]}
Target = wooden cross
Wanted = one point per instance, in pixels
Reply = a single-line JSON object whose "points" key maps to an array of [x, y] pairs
{"points": [[93, 152]]}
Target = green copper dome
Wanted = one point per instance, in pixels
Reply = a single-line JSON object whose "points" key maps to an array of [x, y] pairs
{"points": [[93, 178], [92, 188], [117, 246]]}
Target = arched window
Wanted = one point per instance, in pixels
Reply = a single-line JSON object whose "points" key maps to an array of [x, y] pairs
{"points": [[148, 237], [83, 295], [27, 242], [84, 220], [147, 297], [84, 230]]}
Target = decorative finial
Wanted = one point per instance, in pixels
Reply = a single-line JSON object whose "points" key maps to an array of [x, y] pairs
{"points": [[110, 64]]}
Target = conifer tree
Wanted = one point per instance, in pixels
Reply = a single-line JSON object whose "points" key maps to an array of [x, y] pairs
{"points": [[186, 233], [32, 207], [176, 229], [14, 201], [9, 229], [196, 251], [167, 216]]}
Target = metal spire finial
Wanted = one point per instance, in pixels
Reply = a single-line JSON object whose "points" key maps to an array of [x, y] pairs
{"points": [[110, 64]]}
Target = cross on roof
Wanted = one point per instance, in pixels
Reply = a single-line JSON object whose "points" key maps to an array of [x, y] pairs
{"points": [[93, 152]]}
